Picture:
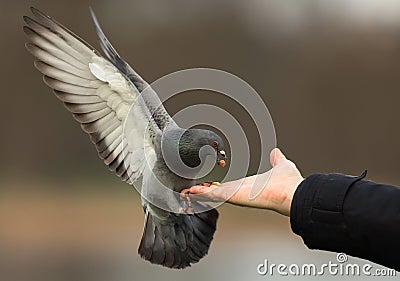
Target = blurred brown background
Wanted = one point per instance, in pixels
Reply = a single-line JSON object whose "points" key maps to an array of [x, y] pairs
{"points": [[327, 70]]}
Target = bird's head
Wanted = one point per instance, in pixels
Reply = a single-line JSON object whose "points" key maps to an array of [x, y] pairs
{"points": [[196, 143]]}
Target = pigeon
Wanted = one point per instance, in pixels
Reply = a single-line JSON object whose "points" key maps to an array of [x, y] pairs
{"points": [[133, 134]]}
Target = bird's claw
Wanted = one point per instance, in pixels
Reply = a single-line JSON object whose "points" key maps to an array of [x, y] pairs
{"points": [[186, 211], [186, 201]]}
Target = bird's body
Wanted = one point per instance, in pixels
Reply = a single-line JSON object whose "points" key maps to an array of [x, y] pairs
{"points": [[133, 134]]}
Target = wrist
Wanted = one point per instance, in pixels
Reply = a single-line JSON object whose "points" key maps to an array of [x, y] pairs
{"points": [[284, 198]]}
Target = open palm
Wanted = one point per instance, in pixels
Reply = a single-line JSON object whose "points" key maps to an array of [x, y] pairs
{"points": [[278, 186]]}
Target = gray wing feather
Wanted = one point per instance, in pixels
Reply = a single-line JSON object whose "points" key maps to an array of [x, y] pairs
{"points": [[100, 104], [155, 106]]}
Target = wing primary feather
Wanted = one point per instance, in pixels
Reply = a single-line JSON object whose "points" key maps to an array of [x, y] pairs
{"points": [[71, 98], [56, 62], [105, 142], [121, 169], [98, 136], [78, 43], [48, 46], [118, 164], [68, 88], [91, 116], [110, 158], [58, 39], [85, 108], [108, 49], [64, 76], [110, 148], [100, 124]]}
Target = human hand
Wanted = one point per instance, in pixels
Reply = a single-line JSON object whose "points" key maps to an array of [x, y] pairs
{"points": [[278, 186]]}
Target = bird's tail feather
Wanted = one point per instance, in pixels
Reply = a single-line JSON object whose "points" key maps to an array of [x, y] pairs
{"points": [[180, 241]]}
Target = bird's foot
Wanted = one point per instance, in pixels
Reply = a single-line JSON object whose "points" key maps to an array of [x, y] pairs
{"points": [[186, 202]]}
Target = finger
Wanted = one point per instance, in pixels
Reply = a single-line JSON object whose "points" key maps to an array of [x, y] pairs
{"points": [[206, 193], [199, 189], [276, 156]]}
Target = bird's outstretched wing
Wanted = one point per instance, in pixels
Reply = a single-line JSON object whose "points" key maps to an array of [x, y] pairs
{"points": [[97, 93], [155, 106]]}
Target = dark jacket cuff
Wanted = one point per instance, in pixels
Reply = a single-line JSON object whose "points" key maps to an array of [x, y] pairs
{"points": [[317, 210]]}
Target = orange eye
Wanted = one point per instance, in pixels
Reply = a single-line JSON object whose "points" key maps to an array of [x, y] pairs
{"points": [[214, 144]]}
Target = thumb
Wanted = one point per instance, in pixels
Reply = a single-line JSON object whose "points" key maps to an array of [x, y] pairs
{"points": [[276, 156]]}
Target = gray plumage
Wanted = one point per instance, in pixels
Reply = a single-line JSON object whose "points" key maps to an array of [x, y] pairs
{"points": [[103, 95]]}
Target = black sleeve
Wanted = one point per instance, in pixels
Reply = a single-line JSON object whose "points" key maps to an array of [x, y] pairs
{"points": [[348, 214]]}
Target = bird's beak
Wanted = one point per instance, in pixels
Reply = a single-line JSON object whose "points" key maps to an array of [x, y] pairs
{"points": [[221, 154]]}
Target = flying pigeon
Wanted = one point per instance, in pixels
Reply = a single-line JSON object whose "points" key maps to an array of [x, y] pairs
{"points": [[132, 133]]}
